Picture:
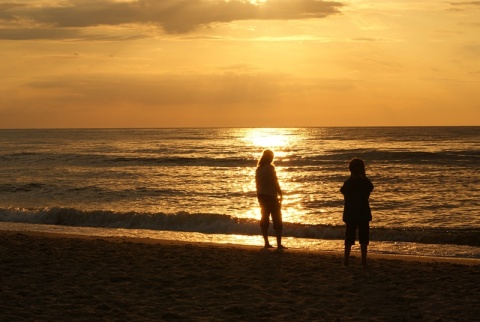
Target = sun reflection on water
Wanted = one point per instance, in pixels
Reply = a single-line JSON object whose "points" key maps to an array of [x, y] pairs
{"points": [[281, 141], [269, 138]]}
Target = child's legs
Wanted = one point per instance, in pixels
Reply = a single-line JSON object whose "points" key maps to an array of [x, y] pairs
{"points": [[364, 254], [364, 233], [364, 239], [350, 234]]}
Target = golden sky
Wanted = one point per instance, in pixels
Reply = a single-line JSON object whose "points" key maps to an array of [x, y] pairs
{"points": [[263, 63]]}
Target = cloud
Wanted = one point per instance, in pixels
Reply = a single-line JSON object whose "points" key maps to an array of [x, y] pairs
{"points": [[173, 16], [61, 34], [228, 87], [236, 85], [104, 99], [466, 3], [462, 6], [237, 95], [38, 33], [471, 51]]}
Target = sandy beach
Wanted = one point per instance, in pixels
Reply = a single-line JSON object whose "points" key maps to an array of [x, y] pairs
{"points": [[49, 277]]}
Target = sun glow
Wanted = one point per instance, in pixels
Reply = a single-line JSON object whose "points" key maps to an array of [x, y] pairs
{"points": [[268, 138], [257, 2]]}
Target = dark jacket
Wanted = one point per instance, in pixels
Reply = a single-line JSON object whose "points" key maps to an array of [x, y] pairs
{"points": [[356, 191]]}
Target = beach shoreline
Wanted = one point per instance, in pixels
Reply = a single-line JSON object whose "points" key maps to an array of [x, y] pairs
{"points": [[163, 241], [50, 276]]}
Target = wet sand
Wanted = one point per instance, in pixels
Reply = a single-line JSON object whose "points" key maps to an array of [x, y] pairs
{"points": [[50, 277]]}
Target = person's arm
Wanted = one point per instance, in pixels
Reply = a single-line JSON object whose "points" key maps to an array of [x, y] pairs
{"points": [[279, 192], [370, 185], [277, 184], [344, 188]]}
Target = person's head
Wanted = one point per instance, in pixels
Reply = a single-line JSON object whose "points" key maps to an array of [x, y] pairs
{"points": [[266, 158], [357, 167]]}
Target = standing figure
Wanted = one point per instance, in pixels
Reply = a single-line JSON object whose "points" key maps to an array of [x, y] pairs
{"points": [[356, 213], [269, 197]]}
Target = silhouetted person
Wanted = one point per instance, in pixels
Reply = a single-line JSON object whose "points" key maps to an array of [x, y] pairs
{"points": [[356, 213], [269, 197]]}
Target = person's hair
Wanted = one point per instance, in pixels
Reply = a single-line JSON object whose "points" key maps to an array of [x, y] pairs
{"points": [[357, 167], [266, 158]]}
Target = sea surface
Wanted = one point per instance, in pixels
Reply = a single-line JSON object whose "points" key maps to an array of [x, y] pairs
{"points": [[197, 184]]}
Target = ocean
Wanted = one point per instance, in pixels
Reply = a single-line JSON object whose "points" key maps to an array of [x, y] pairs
{"points": [[198, 185]]}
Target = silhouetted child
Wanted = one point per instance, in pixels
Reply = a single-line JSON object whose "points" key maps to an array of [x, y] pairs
{"points": [[269, 197], [356, 213]]}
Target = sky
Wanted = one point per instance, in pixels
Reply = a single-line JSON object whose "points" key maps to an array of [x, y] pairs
{"points": [[239, 63]]}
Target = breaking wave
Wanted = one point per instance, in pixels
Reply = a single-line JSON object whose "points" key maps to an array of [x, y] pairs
{"points": [[225, 224]]}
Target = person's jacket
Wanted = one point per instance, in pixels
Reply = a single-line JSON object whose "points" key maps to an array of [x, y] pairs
{"points": [[356, 191]]}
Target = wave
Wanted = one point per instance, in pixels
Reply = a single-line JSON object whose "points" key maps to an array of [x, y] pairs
{"points": [[457, 157], [209, 223]]}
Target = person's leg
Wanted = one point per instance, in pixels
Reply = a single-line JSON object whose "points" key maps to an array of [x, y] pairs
{"points": [[265, 220], [364, 248], [278, 224], [278, 234], [364, 239], [264, 224], [265, 237], [350, 234], [348, 248]]}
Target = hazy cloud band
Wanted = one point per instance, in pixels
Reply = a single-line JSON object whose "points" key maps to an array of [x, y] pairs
{"points": [[173, 16]]}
